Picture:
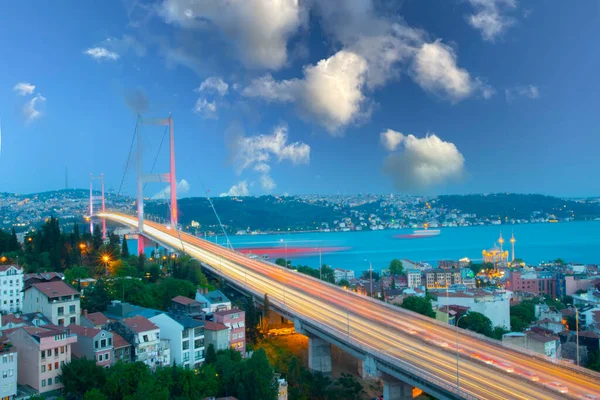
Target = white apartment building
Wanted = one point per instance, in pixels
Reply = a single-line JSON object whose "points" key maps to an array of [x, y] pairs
{"points": [[150, 348], [186, 338], [340, 274], [413, 277], [9, 370], [494, 305], [59, 302], [11, 286]]}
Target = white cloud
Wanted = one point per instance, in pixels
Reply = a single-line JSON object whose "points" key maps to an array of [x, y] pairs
{"points": [[259, 28], [391, 139], [31, 109], [241, 189], [435, 70], [214, 84], [423, 162], [205, 108], [487, 91], [101, 53], [257, 151], [330, 92], [489, 17], [528, 91], [263, 168], [24, 88], [182, 188], [267, 183]]}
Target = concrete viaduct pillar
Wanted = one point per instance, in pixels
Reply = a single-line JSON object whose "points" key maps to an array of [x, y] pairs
{"points": [[394, 389], [319, 355], [367, 368]]}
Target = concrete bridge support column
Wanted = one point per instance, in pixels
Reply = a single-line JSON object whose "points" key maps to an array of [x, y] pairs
{"points": [[319, 355], [394, 389], [367, 368]]}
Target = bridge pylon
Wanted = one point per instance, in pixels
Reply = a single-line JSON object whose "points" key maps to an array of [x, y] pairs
{"points": [[94, 198], [143, 178]]}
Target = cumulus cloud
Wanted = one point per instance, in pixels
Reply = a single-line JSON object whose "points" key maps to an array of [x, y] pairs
{"points": [[241, 189], [528, 91], [259, 28], [267, 183], [258, 151], [31, 109], [421, 163], [24, 88], [331, 92], [489, 17], [182, 188], [101, 53], [213, 84], [391, 139], [436, 71], [205, 108]]}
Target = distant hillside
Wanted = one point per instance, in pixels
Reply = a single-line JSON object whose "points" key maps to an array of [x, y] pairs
{"points": [[265, 213], [519, 206]]}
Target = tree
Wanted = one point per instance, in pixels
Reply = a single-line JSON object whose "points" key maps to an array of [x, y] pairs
{"points": [[252, 320], [257, 381], [124, 379], [593, 362], [476, 322], [498, 332], [419, 305], [94, 394], [125, 249], [522, 314], [281, 262], [211, 355], [396, 267], [327, 273], [81, 375], [559, 261], [97, 298], [344, 283], [75, 274]]}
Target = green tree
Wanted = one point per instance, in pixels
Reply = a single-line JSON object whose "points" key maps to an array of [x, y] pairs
{"points": [[94, 394], [81, 375], [419, 305], [559, 261], [124, 379], [344, 283], [211, 355], [476, 322], [257, 379], [497, 333], [96, 299], [594, 361], [396, 267], [252, 320], [75, 274], [124, 249], [522, 314], [281, 262], [327, 273]]}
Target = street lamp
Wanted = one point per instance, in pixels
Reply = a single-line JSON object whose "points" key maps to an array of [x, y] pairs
{"points": [[457, 373], [576, 329], [371, 275]]}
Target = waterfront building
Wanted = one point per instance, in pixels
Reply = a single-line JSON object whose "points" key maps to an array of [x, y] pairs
{"points": [[495, 255], [413, 277], [341, 274], [540, 283], [11, 286]]}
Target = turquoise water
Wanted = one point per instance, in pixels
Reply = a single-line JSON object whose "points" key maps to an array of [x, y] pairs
{"points": [[573, 241]]}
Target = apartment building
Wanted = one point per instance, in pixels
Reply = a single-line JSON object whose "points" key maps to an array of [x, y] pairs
{"points": [[56, 300], [186, 338], [216, 334], [235, 320], [43, 351], [93, 344], [413, 277], [9, 369], [144, 335], [11, 286]]}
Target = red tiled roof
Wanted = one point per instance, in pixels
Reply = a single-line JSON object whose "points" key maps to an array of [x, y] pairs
{"points": [[83, 331], [8, 318], [97, 318], [6, 267], [227, 312], [118, 341], [48, 330], [214, 326], [55, 289], [140, 324], [183, 300]]}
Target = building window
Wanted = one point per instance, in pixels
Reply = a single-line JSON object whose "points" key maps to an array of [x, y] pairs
{"points": [[110, 341], [198, 343], [96, 344], [49, 381], [145, 338], [199, 331], [56, 380], [61, 322], [197, 355], [103, 343], [56, 365], [186, 333], [4, 359], [43, 368], [72, 309], [11, 358], [49, 367], [73, 320], [62, 349], [106, 356], [186, 345], [56, 352], [99, 357], [186, 357], [5, 373], [61, 310], [43, 354], [11, 372], [43, 383]]}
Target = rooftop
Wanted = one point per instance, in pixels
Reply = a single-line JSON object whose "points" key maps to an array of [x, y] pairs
{"points": [[118, 341], [97, 318], [140, 324], [227, 312], [54, 289], [185, 321], [44, 276], [83, 331], [214, 326], [183, 300], [4, 268]]}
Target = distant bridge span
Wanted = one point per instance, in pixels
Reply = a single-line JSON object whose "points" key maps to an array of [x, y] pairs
{"points": [[402, 347]]}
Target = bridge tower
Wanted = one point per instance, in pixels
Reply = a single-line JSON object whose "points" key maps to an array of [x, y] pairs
{"points": [[143, 178], [92, 199]]}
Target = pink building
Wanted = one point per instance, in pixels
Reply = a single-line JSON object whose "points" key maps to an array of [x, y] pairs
{"points": [[93, 344], [42, 353], [235, 320]]}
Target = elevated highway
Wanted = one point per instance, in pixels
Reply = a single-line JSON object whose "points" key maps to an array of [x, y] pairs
{"points": [[396, 344]]}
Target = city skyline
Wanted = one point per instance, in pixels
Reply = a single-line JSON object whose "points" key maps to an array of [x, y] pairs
{"points": [[370, 96]]}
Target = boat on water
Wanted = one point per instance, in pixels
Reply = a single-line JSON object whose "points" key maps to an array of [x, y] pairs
{"points": [[419, 234]]}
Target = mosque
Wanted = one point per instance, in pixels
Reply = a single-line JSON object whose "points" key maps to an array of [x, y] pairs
{"points": [[497, 255]]}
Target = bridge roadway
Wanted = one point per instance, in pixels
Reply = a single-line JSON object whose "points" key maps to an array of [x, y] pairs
{"points": [[397, 336]]}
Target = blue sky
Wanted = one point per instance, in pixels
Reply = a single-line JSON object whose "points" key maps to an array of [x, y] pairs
{"points": [[413, 96]]}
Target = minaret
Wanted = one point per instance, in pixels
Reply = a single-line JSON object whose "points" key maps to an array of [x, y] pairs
{"points": [[512, 242], [501, 242]]}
